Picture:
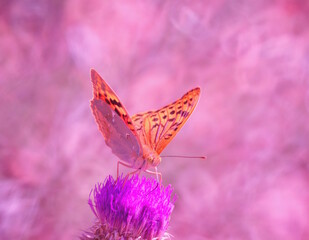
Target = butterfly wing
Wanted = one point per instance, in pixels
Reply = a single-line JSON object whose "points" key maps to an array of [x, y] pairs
{"points": [[158, 128], [114, 121]]}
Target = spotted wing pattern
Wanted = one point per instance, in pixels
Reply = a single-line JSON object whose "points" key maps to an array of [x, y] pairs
{"points": [[158, 128], [102, 91], [114, 122]]}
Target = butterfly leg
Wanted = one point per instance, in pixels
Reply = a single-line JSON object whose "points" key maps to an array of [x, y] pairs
{"points": [[129, 166], [132, 173], [123, 164]]}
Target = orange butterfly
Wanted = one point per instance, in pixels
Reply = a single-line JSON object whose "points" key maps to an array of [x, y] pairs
{"points": [[139, 140]]}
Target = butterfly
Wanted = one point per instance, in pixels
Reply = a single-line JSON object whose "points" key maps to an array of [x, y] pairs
{"points": [[138, 140]]}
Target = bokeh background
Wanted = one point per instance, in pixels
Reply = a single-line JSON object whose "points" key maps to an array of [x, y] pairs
{"points": [[251, 59]]}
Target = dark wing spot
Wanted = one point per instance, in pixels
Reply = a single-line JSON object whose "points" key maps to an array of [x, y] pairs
{"points": [[172, 112], [179, 107], [155, 119], [184, 114], [171, 107], [176, 124], [171, 120], [108, 102], [165, 116], [185, 102], [167, 136], [117, 111], [154, 126], [115, 102], [179, 112]]}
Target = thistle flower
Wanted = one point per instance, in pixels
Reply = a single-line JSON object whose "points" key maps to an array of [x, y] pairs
{"points": [[134, 208]]}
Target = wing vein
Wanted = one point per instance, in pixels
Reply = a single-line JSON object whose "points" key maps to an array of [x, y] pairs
{"points": [[155, 140]]}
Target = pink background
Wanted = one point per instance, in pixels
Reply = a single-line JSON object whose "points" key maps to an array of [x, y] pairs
{"points": [[251, 59]]}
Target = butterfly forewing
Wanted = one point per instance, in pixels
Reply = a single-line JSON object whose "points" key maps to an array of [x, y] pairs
{"points": [[158, 128], [102, 91], [114, 121]]}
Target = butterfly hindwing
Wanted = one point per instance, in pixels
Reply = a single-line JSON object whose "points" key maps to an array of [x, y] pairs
{"points": [[158, 128], [113, 121]]}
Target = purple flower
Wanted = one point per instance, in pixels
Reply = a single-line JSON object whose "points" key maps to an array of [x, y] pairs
{"points": [[132, 208]]}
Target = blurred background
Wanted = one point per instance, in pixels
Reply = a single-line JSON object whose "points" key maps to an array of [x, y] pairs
{"points": [[251, 60]]}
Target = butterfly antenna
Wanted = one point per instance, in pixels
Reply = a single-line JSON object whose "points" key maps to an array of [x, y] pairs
{"points": [[179, 156]]}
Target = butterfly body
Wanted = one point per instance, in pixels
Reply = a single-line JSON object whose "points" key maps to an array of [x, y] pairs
{"points": [[138, 141]]}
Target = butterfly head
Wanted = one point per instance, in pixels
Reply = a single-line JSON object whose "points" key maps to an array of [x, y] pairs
{"points": [[154, 159], [151, 156]]}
